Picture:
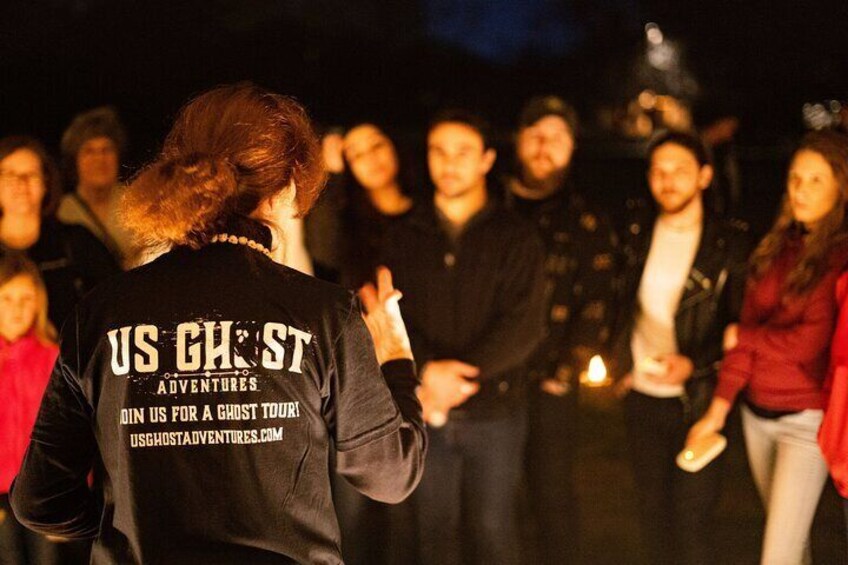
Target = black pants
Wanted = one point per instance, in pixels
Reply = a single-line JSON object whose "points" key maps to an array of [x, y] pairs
{"points": [[552, 446], [676, 508], [467, 502], [845, 506]]}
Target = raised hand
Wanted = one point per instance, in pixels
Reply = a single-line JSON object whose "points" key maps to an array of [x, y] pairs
{"points": [[383, 319]]}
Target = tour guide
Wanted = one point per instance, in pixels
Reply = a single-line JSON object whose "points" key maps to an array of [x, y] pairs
{"points": [[236, 473]]}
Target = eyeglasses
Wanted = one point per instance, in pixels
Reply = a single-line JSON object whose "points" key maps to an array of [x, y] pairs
{"points": [[10, 178]]}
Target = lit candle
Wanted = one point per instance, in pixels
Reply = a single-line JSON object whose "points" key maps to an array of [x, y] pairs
{"points": [[596, 375]]}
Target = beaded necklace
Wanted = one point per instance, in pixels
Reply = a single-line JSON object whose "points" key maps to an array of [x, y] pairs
{"points": [[241, 240]]}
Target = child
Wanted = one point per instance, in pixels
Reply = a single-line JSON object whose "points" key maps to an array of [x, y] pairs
{"points": [[27, 353]]}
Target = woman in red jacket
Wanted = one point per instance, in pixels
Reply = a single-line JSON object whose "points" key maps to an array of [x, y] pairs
{"points": [[833, 436], [778, 353]]}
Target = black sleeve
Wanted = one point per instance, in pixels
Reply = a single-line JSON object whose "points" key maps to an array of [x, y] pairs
{"points": [[741, 248], [324, 225], [520, 322], [95, 262], [377, 420], [711, 351], [50, 494]]}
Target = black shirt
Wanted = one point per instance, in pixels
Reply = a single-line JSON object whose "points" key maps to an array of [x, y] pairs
{"points": [[71, 262], [345, 232], [478, 298], [365, 229], [208, 388]]}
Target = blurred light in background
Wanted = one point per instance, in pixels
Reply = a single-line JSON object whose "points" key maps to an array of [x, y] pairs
{"points": [[823, 115], [654, 34], [662, 54]]}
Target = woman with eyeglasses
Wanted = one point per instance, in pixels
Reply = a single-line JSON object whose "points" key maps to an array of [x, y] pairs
{"points": [[70, 259]]}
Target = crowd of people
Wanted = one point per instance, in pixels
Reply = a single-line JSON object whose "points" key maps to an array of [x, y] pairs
{"points": [[510, 285]]}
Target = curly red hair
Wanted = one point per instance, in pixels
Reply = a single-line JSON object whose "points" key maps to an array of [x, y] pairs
{"points": [[229, 149]]}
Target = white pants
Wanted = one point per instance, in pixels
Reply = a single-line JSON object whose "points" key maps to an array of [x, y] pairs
{"points": [[790, 474]]}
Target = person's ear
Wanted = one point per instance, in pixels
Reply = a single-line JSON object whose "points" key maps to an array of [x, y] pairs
{"points": [[705, 176], [489, 157]]}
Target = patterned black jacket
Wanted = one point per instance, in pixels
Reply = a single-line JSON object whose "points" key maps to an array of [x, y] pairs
{"points": [[580, 275]]}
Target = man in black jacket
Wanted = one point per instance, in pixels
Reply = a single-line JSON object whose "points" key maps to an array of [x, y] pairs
{"points": [[682, 285], [579, 269], [471, 274]]}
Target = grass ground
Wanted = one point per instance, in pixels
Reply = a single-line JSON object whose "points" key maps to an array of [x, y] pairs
{"points": [[609, 527]]}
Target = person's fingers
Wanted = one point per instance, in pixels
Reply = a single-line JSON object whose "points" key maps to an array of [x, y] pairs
{"points": [[385, 286], [694, 435], [475, 388], [368, 295], [659, 379], [553, 387], [463, 393], [465, 370], [392, 300], [467, 389]]}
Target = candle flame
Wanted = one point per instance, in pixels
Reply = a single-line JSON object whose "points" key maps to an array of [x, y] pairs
{"points": [[596, 375]]}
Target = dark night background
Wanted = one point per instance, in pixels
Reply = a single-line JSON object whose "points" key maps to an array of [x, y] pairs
{"points": [[398, 62]]}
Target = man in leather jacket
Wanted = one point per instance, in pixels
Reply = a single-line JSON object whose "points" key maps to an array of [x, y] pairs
{"points": [[682, 284]]}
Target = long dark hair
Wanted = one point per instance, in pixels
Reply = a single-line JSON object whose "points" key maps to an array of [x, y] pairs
{"points": [[404, 175], [830, 232], [360, 218]]}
